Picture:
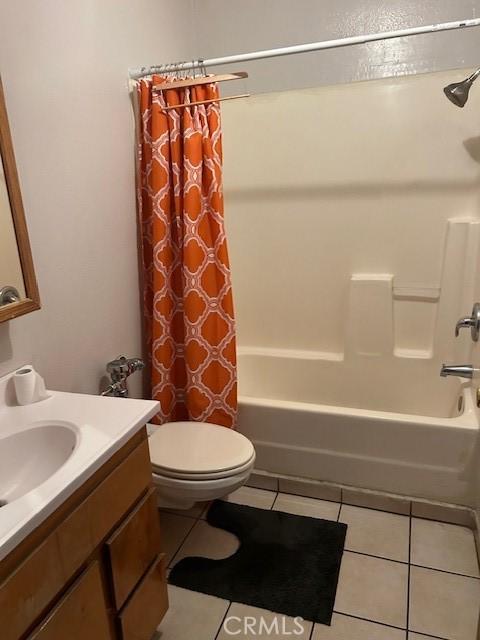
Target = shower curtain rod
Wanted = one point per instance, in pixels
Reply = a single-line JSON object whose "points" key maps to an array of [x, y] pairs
{"points": [[304, 48]]}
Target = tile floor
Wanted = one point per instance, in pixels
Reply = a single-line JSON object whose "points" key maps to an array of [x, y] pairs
{"points": [[402, 578]]}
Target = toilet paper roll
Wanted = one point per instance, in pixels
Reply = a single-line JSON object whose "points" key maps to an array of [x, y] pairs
{"points": [[29, 386], [25, 381]]}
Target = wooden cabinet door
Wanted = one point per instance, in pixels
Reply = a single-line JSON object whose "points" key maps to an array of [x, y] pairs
{"points": [[133, 547], [81, 614], [148, 604]]}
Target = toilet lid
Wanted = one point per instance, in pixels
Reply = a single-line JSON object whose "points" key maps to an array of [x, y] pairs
{"points": [[190, 448]]}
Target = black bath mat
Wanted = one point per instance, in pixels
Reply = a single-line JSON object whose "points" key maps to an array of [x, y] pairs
{"points": [[285, 563]]}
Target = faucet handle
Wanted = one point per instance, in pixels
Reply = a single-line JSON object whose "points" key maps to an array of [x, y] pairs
{"points": [[472, 321]]}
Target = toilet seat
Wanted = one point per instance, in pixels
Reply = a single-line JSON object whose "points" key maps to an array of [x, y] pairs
{"points": [[199, 451], [168, 473]]}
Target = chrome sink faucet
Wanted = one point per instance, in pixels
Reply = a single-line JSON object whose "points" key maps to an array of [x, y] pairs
{"points": [[119, 370]]}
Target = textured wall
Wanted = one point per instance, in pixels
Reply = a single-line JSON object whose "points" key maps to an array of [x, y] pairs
{"points": [[64, 68], [227, 27]]}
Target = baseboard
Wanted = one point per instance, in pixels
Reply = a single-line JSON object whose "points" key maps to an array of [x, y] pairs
{"points": [[359, 496]]}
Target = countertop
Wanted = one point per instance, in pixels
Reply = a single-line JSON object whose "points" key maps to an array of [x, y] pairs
{"points": [[102, 425]]}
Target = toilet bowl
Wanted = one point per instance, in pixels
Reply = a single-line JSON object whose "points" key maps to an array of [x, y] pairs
{"points": [[198, 461]]}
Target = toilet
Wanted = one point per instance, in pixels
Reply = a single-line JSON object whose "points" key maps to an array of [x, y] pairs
{"points": [[198, 461]]}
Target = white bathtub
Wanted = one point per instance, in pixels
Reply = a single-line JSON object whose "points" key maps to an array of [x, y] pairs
{"points": [[314, 418]]}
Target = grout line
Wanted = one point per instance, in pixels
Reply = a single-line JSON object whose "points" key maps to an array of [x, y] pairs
{"points": [[338, 520], [180, 515], [385, 624], [409, 565], [274, 501], [223, 620], [371, 555], [450, 573], [405, 562], [427, 635], [170, 564], [203, 512], [313, 627], [382, 624]]}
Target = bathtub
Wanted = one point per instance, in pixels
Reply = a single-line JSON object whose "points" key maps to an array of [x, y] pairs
{"points": [[401, 429]]}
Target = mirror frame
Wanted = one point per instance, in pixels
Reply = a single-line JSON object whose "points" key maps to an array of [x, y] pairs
{"points": [[32, 300]]}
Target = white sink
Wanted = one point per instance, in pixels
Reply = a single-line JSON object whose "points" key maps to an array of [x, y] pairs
{"points": [[49, 448], [29, 457]]}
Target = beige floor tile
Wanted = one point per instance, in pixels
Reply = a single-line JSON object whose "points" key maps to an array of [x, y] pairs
{"points": [[194, 512], [249, 623], [208, 542], [174, 530], [418, 636], [444, 546], [373, 588], [376, 532], [259, 498], [302, 506], [345, 628], [443, 604], [191, 615]]}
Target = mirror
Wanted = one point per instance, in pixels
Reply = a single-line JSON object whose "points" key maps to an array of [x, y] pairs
{"points": [[18, 285]]}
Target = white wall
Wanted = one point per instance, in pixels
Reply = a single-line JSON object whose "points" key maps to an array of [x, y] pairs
{"points": [[64, 68], [227, 26]]}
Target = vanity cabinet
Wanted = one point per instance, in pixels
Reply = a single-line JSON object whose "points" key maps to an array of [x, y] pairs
{"points": [[81, 612], [95, 568]]}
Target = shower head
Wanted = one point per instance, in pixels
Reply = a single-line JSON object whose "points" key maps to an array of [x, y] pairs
{"points": [[457, 92]]}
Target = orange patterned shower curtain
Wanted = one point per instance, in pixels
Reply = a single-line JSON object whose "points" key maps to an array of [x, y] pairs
{"points": [[187, 295]]}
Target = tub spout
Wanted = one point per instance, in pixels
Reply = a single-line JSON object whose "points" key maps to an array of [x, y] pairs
{"points": [[459, 370]]}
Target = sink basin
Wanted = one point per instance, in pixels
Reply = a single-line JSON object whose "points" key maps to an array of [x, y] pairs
{"points": [[29, 457]]}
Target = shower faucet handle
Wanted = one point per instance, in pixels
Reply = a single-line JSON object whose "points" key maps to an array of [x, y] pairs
{"points": [[472, 321]]}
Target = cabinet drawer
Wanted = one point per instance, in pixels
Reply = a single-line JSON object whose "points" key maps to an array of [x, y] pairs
{"points": [[133, 547], [112, 499], [148, 604], [80, 614]]}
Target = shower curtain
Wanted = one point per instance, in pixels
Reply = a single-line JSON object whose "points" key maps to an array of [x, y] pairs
{"points": [[187, 294]]}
